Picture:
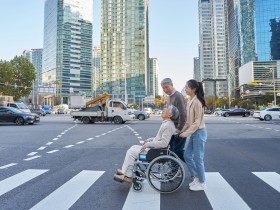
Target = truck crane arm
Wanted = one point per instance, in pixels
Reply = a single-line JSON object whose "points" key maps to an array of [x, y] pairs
{"points": [[101, 98]]}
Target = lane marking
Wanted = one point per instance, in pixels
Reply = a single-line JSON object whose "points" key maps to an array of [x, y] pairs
{"points": [[89, 139], [270, 178], [32, 153], [59, 135], [69, 146], [71, 191], [32, 158], [147, 199], [41, 148], [49, 143], [97, 136], [55, 139], [52, 151], [80, 142], [8, 165], [14, 181], [217, 186]]}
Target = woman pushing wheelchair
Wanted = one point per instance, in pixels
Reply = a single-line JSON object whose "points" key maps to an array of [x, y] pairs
{"points": [[162, 139]]}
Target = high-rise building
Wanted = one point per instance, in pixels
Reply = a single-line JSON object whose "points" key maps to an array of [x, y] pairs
{"points": [[213, 47], [36, 60], [124, 48], [196, 69], [96, 70], [27, 54], [253, 34], [67, 55], [35, 57], [153, 71]]}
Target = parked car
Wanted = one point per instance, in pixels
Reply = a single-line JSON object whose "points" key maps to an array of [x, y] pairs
{"points": [[237, 112], [207, 111], [38, 111], [60, 111], [140, 115], [268, 114], [46, 108], [148, 110], [220, 112], [157, 111], [18, 105], [12, 115]]}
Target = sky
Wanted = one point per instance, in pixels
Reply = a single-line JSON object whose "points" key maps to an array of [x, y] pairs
{"points": [[173, 33]]}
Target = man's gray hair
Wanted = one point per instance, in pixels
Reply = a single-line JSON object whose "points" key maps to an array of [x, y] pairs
{"points": [[166, 81], [173, 112]]}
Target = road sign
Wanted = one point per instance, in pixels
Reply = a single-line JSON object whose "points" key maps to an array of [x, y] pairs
{"points": [[278, 94]]}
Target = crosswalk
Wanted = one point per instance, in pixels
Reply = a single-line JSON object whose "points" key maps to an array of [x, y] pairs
{"points": [[72, 190]]}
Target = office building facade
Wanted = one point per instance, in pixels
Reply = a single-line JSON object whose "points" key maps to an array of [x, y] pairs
{"points": [[253, 30], [196, 69], [124, 48], [67, 56], [213, 47], [96, 71], [36, 60], [152, 77]]}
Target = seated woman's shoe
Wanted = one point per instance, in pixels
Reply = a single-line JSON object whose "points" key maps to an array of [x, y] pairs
{"points": [[122, 178], [119, 172]]}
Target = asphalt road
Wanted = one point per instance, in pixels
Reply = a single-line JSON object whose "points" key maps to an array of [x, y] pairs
{"points": [[60, 164]]}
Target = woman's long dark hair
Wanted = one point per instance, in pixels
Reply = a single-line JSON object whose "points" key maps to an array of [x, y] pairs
{"points": [[193, 84]]}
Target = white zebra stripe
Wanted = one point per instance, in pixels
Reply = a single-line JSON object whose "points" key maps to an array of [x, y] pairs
{"points": [[71, 191]]}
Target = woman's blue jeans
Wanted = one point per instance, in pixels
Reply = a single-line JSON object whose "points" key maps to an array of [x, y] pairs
{"points": [[194, 154]]}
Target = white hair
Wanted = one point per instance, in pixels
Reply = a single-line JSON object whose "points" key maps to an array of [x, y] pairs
{"points": [[173, 112], [166, 81]]}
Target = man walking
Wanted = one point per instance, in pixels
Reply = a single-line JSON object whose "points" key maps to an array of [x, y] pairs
{"points": [[176, 99]]}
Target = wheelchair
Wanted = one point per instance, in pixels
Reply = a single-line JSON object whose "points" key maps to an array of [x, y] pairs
{"points": [[162, 168]]}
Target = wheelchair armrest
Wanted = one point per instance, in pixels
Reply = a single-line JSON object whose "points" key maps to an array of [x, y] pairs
{"points": [[152, 154]]}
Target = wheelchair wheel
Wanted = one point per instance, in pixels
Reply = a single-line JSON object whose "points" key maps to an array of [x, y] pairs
{"points": [[166, 174], [138, 186]]}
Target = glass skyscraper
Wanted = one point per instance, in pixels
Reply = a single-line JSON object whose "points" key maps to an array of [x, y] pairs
{"points": [[267, 24], [67, 56], [36, 59], [124, 48], [254, 33]]}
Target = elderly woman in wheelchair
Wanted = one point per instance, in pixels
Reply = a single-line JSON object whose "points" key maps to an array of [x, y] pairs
{"points": [[154, 161]]}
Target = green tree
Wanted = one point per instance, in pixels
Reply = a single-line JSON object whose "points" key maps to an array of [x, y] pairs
{"points": [[6, 72], [23, 75]]}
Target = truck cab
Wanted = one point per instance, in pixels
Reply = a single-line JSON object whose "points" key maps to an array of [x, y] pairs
{"points": [[119, 110]]}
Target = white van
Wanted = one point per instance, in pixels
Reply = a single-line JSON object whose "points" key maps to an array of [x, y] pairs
{"points": [[18, 105]]}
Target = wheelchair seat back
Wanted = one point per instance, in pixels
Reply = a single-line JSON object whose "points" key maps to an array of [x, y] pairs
{"points": [[152, 154]]}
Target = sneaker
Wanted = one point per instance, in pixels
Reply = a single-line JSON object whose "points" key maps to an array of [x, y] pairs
{"points": [[195, 180], [198, 186], [119, 172], [122, 178]]}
